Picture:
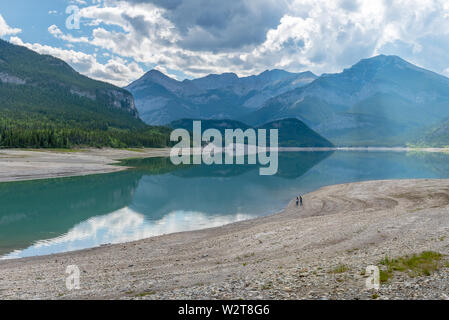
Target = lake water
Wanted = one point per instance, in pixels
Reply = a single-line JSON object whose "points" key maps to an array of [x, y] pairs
{"points": [[58, 215]]}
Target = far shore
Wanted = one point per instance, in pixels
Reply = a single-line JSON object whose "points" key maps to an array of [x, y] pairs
{"points": [[33, 164], [318, 251], [391, 149], [27, 164]]}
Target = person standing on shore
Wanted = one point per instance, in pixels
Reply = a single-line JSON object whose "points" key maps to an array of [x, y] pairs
{"points": [[300, 201], [297, 201]]}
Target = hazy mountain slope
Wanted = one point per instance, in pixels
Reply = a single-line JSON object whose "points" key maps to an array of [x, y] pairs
{"points": [[220, 125], [295, 133], [292, 132], [437, 137], [379, 101], [161, 100], [45, 103]]}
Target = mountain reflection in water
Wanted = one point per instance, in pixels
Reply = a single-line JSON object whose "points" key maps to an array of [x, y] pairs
{"points": [[59, 215]]}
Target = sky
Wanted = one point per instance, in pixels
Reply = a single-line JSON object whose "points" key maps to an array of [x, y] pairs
{"points": [[119, 40]]}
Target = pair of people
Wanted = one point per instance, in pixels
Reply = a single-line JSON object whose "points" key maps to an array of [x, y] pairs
{"points": [[299, 201]]}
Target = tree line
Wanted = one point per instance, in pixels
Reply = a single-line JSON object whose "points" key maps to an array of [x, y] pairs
{"points": [[16, 137]]}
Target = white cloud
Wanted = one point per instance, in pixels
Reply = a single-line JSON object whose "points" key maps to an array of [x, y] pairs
{"points": [[116, 70], [198, 37], [82, 2], [318, 35], [326, 36], [57, 33], [5, 29]]}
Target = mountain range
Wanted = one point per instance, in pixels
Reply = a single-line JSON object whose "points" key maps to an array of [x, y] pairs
{"points": [[381, 101], [161, 99]]}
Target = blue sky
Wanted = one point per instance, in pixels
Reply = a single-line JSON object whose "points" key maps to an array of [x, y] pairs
{"points": [[119, 40]]}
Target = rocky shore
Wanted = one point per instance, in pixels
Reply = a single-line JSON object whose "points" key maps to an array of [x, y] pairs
{"points": [[20, 165], [320, 251]]}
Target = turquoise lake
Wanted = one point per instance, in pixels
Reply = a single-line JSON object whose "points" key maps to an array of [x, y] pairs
{"points": [[59, 215]]}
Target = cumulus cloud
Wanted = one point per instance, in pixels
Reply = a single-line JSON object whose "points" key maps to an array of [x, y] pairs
{"points": [[198, 37], [57, 33], [205, 25], [327, 36], [5, 29], [116, 70]]}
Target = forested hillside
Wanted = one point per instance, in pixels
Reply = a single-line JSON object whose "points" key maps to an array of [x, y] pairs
{"points": [[45, 103], [292, 132]]}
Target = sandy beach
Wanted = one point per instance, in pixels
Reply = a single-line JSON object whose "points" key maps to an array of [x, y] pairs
{"points": [[319, 251]]}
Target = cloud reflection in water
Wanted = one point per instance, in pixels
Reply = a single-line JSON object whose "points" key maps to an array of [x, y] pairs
{"points": [[124, 225]]}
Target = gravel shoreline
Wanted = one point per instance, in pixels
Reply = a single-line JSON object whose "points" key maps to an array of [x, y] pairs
{"points": [[22, 165], [291, 255]]}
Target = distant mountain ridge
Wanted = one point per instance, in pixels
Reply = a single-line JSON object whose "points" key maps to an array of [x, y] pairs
{"points": [[292, 132], [161, 99], [381, 101]]}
